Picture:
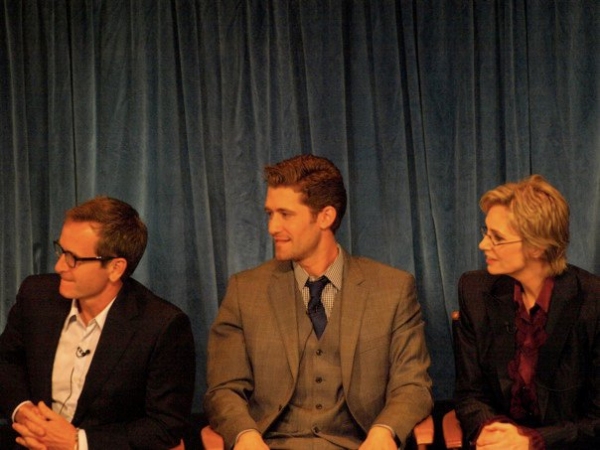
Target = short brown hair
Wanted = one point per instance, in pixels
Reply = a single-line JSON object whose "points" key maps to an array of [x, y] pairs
{"points": [[539, 213], [316, 178], [121, 232]]}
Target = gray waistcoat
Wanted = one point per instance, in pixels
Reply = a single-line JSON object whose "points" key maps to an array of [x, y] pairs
{"points": [[317, 416]]}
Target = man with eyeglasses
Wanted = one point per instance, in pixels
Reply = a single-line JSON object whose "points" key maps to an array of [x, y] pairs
{"points": [[89, 357]]}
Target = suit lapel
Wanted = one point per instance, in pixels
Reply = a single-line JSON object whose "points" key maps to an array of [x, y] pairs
{"points": [[501, 314], [118, 331], [564, 310], [353, 301], [281, 289], [55, 315]]}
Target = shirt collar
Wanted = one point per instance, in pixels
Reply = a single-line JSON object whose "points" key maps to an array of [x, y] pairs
{"points": [[99, 320], [543, 300], [334, 272]]}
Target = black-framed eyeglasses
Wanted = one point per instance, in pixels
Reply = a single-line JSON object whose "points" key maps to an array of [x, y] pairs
{"points": [[495, 242], [72, 260]]}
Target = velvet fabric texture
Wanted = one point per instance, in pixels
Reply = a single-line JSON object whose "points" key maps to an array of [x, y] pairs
{"points": [[175, 106]]}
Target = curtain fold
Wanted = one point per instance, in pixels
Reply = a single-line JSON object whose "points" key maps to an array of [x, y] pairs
{"points": [[175, 106]]}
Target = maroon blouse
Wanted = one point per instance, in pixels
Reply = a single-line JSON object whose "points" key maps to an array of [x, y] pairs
{"points": [[530, 336]]}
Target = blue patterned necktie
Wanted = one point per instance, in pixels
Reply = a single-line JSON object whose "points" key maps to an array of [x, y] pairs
{"points": [[316, 311]]}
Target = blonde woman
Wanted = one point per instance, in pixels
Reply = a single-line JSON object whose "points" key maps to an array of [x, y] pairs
{"points": [[527, 347]]}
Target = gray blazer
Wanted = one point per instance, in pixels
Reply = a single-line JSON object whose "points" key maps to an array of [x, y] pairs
{"points": [[253, 357]]}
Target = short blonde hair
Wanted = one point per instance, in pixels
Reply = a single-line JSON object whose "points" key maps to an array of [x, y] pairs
{"points": [[539, 213]]}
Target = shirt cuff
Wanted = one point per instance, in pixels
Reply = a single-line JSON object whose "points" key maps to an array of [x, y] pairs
{"points": [[237, 438], [392, 432], [82, 440], [17, 408], [387, 427]]}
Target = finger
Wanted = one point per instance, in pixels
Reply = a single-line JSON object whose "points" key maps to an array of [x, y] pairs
{"points": [[35, 423], [20, 414], [47, 412], [487, 439], [31, 443], [29, 429], [495, 428], [491, 446], [22, 429], [32, 413]]}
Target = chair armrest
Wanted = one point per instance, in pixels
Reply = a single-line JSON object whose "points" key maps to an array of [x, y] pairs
{"points": [[452, 430], [211, 440], [423, 432]]}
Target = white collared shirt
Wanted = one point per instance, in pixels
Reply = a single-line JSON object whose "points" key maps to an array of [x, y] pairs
{"points": [[73, 357]]}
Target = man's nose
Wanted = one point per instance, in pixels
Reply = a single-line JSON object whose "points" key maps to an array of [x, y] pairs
{"points": [[274, 224], [61, 264]]}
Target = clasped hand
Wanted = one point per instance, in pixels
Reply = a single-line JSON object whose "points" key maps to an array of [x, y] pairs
{"points": [[501, 436], [40, 428]]}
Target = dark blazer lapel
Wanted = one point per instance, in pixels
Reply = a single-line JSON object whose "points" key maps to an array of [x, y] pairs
{"points": [[353, 300], [281, 290], [501, 313], [565, 304], [55, 315], [117, 333]]}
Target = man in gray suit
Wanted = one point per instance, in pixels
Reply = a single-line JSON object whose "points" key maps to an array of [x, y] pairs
{"points": [[299, 361]]}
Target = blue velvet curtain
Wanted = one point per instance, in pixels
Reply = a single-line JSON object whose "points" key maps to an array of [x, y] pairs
{"points": [[176, 105]]}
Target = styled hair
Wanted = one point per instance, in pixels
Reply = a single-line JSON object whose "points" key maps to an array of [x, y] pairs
{"points": [[120, 230], [539, 213], [316, 178]]}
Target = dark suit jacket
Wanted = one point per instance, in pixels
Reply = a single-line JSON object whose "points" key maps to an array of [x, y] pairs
{"points": [[568, 373], [253, 359], [139, 387]]}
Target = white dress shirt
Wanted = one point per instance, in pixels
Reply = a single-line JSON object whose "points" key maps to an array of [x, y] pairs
{"points": [[74, 354]]}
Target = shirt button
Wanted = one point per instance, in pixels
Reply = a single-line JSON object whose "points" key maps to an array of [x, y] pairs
{"points": [[318, 379], [316, 430]]}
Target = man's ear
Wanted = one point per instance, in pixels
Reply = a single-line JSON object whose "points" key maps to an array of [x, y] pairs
{"points": [[117, 268], [326, 217]]}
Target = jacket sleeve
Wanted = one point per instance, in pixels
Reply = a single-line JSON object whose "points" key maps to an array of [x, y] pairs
{"points": [[408, 397], [229, 372], [14, 387], [475, 400]]}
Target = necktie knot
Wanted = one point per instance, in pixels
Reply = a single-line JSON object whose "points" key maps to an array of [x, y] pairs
{"points": [[316, 311], [316, 287]]}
